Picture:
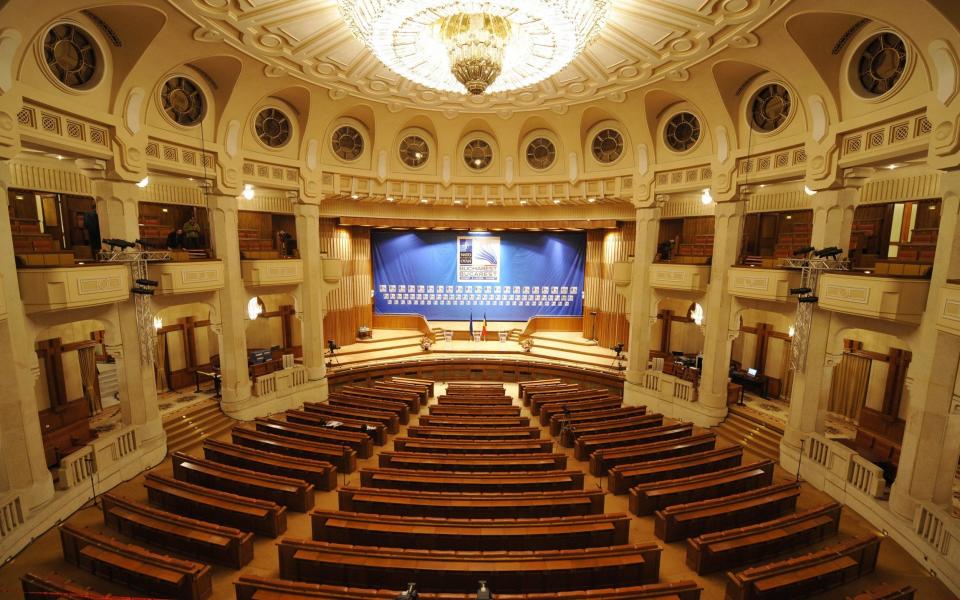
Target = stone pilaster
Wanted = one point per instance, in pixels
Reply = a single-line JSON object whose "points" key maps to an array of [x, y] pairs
{"points": [[20, 442], [312, 291], [648, 228], [233, 300]]}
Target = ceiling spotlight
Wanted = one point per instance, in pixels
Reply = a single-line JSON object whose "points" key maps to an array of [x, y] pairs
{"points": [[354, 196], [706, 197], [591, 200], [248, 191], [157, 323], [807, 299], [143, 182], [800, 290], [556, 202], [457, 201], [808, 191], [892, 166], [523, 203], [489, 202]]}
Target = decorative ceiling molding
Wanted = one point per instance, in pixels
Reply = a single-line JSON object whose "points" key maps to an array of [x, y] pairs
{"points": [[644, 41]]}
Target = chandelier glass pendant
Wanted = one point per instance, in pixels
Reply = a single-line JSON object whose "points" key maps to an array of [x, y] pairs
{"points": [[475, 46]]}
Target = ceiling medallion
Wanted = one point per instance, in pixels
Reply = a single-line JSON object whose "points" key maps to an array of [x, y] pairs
{"points": [[475, 46]]}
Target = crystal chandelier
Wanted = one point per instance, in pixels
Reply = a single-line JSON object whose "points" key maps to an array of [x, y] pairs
{"points": [[475, 46]]}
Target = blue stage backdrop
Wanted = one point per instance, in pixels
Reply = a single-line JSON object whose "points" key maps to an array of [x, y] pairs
{"points": [[507, 276]]}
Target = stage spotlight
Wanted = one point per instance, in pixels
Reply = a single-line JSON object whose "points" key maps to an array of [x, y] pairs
{"points": [[800, 290], [808, 299], [142, 291], [618, 348], [332, 345], [484, 592], [804, 250], [830, 252], [410, 593], [148, 282]]}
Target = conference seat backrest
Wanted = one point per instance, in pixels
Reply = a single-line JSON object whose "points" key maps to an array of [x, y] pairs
{"points": [[321, 474], [374, 430], [623, 477], [464, 433], [446, 410], [136, 567], [343, 457], [604, 459], [425, 383], [528, 392], [732, 548], [471, 400], [811, 573], [647, 498], [191, 537], [406, 444], [422, 393], [246, 514], [295, 494], [389, 420], [471, 482], [558, 420], [479, 421], [361, 443], [886, 591], [681, 521], [634, 423], [549, 411], [631, 433], [538, 401], [410, 399], [364, 403], [487, 463]]}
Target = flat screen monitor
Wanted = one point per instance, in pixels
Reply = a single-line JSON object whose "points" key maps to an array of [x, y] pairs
{"points": [[752, 372]]}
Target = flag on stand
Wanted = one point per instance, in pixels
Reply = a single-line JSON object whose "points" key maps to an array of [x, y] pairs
{"points": [[483, 331], [471, 325]]}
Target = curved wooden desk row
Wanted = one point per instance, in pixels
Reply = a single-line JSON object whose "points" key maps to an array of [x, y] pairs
{"points": [[549, 411], [554, 386], [603, 460], [474, 400], [478, 421], [406, 444], [458, 481], [191, 537], [135, 567], [570, 434], [886, 591], [539, 401], [410, 399], [643, 434], [423, 392], [453, 410], [559, 419], [431, 533], [454, 571], [806, 575], [331, 411], [425, 384], [321, 474], [377, 432], [365, 403], [647, 498], [424, 461], [343, 457], [475, 433], [257, 588], [361, 443], [470, 505], [623, 477]]}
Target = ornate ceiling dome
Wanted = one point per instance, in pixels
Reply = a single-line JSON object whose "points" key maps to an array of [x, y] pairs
{"points": [[641, 42]]}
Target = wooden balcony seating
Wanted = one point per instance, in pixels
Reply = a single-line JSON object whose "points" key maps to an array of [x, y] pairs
{"points": [[603, 460], [321, 474], [361, 443], [682, 521], [647, 498], [376, 431], [588, 444], [551, 411], [459, 481], [363, 403], [886, 591], [389, 420], [623, 477], [253, 588], [247, 514], [295, 494], [135, 567], [430, 533], [466, 505], [806, 575], [559, 420], [405, 444], [448, 410], [448, 571], [726, 550], [568, 436], [484, 463], [190, 537], [343, 457], [479, 421], [456, 433]]}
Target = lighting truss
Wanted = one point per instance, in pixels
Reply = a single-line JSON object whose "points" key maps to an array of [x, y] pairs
{"points": [[810, 270], [137, 261]]}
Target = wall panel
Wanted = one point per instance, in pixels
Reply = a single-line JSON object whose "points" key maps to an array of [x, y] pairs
{"points": [[350, 305], [604, 248]]}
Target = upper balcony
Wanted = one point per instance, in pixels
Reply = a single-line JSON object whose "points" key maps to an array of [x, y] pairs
{"points": [[269, 272], [898, 299], [187, 277], [683, 277], [45, 289], [762, 284], [948, 313]]}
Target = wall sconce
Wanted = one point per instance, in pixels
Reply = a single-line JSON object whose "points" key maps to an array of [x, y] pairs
{"points": [[792, 331], [254, 308], [143, 182], [697, 315], [706, 197], [157, 323], [808, 191], [248, 192]]}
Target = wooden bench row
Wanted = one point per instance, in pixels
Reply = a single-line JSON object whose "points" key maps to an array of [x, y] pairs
{"points": [[604, 459], [454, 410], [407, 444], [588, 444], [464, 433], [255, 588], [370, 404], [455, 571], [431, 533], [361, 443], [135, 567], [560, 420], [569, 435], [191, 537], [434, 481], [623, 477], [426, 384], [470, 505], [806, 575], [886, 591], [410, 399], [342, 457], [388, 419], [321, 474], [486, 463], [550, 411], [538, 401], [377, 432], [647, 498], [473, 400]]}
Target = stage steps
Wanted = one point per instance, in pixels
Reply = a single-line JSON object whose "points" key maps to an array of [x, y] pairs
{"points": [[192, 425], [762, 439]]}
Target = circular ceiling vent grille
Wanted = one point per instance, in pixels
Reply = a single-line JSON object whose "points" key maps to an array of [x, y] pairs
{"points": [[347, 143], [607, 146], [71, 56], [182, 101], [682, 132], [414, 151], [770, 107], [478, 155], [881, 63], [273, 127], [541, 153]]}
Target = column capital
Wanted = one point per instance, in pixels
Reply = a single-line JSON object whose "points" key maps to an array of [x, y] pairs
{"points": [[311, 211], [731, 208], [223, 203], [648, 213]]}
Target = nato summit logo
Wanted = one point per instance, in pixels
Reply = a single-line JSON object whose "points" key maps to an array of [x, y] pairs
{"points": [[478, 258]]}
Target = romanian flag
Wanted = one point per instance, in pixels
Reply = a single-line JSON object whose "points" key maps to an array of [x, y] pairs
{"points": [[471, 325], [483, 331]]}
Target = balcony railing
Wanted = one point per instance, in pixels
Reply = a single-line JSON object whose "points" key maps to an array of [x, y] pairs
{"points": [[46, 289], [887, 298], [762, 284]]}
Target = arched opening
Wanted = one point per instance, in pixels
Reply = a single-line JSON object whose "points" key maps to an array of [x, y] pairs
{"points": [[186, 343]]}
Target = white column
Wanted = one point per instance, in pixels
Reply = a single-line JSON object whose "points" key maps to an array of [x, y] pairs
{"points": [[728, 228], [118, 211], [928, 455], [645, 249], [233, 298], [20, 437], [312, 291]]}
